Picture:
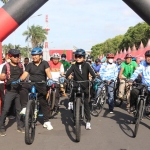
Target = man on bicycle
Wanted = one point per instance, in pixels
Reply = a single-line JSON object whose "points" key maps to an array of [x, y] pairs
{"points": [[11, 72], [144, 69], [97, 65], [127, 69], [65, 63], [81, 70], [108, 72], [57, 69], [38, 70]]}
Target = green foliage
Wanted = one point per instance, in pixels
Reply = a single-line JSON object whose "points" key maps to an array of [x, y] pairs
{"points": [[136, 34], [4, 1], [36, 35], [110, 45]]}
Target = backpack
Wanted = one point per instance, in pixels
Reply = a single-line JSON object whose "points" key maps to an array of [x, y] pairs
{"points": [[8, 73]]}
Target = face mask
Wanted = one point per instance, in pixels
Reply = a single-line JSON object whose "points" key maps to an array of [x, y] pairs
{"points": [[110, 61], [63, 58]]}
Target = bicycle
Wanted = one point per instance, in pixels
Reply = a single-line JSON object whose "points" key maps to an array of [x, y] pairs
{"points": [[100, 100], [117, 100], [140, 106], [78, 107]]}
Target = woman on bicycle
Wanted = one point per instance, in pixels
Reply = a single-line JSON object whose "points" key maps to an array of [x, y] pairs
{"points": [[81, 70]]}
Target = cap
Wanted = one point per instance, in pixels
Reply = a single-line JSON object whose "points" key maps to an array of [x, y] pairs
{"points": [[14, 52]]}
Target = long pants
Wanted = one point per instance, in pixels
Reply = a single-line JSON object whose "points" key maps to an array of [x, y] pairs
{"points": [[110, 91], [86, 103], [25, 90], [2, 93], [9, 97], [122, 87]]}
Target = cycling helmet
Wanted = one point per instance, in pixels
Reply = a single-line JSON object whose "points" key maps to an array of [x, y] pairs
{"points": [[147, 53], [63, 55], [80, 52], [97, 60], [55, 55], [128, 56], [110, 55], [118, 59], [36, 50]]}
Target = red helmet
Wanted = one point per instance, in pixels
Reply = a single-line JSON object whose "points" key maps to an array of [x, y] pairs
{"points": [[128, 56], [110, 55]]}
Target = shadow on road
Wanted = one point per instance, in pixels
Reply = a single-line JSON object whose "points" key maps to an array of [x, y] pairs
{"points": [[122, 119], [10, 123], [67, 120]]}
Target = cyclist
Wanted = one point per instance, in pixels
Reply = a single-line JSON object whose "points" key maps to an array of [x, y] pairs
{"points": [[12, 91], [57, 69], [39, 71], [118, 63], [65, 63], [108, 72], [96, 66], [127, 69], [26, 62], [81, 70], [144, 69]]}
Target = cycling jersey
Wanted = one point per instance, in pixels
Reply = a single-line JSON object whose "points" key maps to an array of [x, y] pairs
{"points": [[143, 69], [108, 71], [81, 72]]}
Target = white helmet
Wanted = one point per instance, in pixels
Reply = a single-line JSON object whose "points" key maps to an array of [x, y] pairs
{"points": [[55, 55]]}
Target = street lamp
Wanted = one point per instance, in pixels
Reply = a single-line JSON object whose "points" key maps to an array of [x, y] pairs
{"points": [[28, 29]]}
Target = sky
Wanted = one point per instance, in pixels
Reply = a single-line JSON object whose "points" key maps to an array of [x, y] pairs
{"points": [[79, 23]]}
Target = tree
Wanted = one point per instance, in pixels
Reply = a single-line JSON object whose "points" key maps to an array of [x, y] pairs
{"points": [[136, 34], [4, 1], [36, 35]]}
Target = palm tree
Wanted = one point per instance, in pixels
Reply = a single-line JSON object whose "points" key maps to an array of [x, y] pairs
{"points": [[36, 35], [4, 1]]}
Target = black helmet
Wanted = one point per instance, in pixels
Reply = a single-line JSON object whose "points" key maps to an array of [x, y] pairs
{"points": [[147, 53], [80, 52], [118, 59], [63, 55], [97, 60], [14, 52]]}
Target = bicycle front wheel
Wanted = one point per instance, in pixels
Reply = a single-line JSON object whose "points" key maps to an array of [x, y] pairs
{"points": [[30, 122], [78, 120], [138, 116]]}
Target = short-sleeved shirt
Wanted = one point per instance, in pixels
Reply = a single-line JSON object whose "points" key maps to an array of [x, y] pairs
{"points": [[66, 64], [37, 73], [128, 68], [15, 73]]}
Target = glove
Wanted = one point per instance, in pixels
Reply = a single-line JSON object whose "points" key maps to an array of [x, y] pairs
{"points": [[50, 82], [16, 82], [61, 80]]}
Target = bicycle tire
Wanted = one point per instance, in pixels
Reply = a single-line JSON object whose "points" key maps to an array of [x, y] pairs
{"points": [[53, 94], [97, 108], [118, 102], [30, 122], [78, 120], [138, 117]]}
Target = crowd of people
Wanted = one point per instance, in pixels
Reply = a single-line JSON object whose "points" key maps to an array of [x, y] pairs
{"points": [[80, 69]]}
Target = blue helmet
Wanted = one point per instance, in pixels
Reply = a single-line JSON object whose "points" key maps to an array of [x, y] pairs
{"points": [[133, 59], [80, 52], [36, 50]]}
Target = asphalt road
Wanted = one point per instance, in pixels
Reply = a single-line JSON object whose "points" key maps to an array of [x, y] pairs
{"points": [[109, 132]]}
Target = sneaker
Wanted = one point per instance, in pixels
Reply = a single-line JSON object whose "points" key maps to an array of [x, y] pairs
{"points": [[11, 117], [88, 126], [23, 111], [48, 125], [21, 129], [70, 106], [2, 132], [111, 112]]}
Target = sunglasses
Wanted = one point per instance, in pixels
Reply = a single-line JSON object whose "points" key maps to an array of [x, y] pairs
{"points": [[15, 56], [78, 56]]}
